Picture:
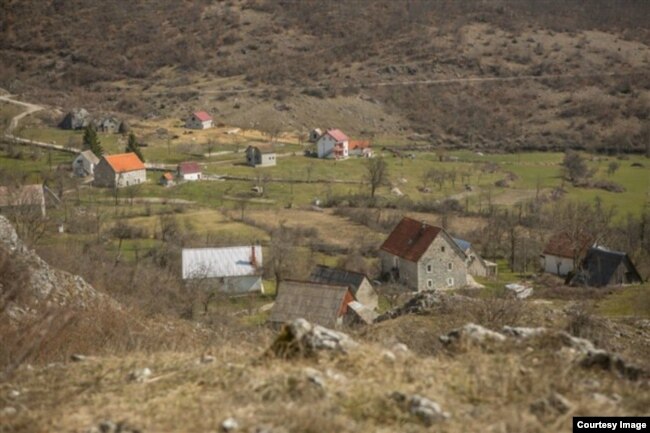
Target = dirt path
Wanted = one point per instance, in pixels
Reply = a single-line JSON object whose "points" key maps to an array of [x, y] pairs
{"points": [[30, 108]]}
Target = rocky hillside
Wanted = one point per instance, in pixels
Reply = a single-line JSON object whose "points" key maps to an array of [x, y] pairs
{"points": [[549, 75]]}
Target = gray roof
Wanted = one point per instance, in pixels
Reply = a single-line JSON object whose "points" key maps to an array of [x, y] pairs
{"points": [[327, 275], [462, 244], [90, 156], [318, 303], [221, 262], [600, 265]]}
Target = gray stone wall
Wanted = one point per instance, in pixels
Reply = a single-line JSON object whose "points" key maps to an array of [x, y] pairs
{"points": [[419, 276], [366, 295], [106, 177], [441, 266]]}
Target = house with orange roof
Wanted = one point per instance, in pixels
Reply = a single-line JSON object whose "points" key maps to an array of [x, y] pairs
{"points": [[199, 120], [117, 171], [423, 257], [360, 148], [333, 144]]}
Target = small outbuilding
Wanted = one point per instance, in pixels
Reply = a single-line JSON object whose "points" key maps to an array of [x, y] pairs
{"points": [[117, 171], [563, 251], [260, 156], [476, 265], [604, 267], [84, 163], [167, 179], [323, 304], [358, 283], [189, 171], [315, 134], [360, 148], [199, 120]]}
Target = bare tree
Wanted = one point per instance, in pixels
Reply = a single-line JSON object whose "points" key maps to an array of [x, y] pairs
{"points": [[377, 174]]}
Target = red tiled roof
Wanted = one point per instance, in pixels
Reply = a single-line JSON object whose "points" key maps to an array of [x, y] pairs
{"points": [[410, 239], [563, 245], [124, 162], [361, 144], [168, 176], [202, 116], [189, 167], [337, 134]]}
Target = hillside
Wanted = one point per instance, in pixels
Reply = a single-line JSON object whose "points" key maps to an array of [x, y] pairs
{"points": [[542, 75]]}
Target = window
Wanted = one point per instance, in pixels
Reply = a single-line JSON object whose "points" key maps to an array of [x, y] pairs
{"points": [[450, 266], [430, 284], [450, 282], [442, 248], [429, 268]]}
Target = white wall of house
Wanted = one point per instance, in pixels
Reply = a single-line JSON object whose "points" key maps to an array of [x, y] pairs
{"points": [[192, 176], [325, 147], [556, 265], [105, 176], [194, 123], [367, 295]]}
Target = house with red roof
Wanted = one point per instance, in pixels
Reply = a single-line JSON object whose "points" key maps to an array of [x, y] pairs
{"points": [[199, 120], [333, 144], [423, 257], [117, 171], [189, 170], [563, 252]]}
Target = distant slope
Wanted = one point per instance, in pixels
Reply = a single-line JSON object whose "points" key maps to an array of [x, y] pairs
{"points": [[366, 66]]}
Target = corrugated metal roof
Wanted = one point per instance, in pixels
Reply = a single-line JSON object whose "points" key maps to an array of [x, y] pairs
{"points": [[318, 303], [221, 262]]}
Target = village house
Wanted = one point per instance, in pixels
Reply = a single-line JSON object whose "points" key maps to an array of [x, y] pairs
{"points": [[199, 120], [117, 171], [189, 171], [603, 267], [260, 156], [314, 135], [167, 179], [232, 270], [563, 251], [476, 265], [84, 163], [358, 283], [360, 148], [423, 257], [27, 198], [323, 304], [333, 144]]}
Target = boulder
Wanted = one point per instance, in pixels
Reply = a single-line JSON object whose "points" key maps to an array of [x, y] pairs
{"points": [[471, 333], [109, 426], [301, 338], [426, 410], [421, 303], [522, 332], [77, 118]]}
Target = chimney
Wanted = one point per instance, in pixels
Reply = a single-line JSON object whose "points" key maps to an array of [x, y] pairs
{"points": [[253, 258]]}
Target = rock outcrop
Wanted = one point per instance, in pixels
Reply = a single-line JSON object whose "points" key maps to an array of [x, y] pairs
{"points": [[77, 118], [301, 338], [44, 286]]}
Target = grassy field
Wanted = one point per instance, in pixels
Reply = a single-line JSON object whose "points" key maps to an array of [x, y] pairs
{"points": [[627, 301]]}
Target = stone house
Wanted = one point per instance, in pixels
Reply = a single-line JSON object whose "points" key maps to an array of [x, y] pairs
{"points": [[323, 304], [476, 265], [260, 156], [423, 257], [199, 120], [358, 283], [117, 171], [189, 171], [84, 163], [333, 144], [231, 270], [314, 135], [563, 251]]}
